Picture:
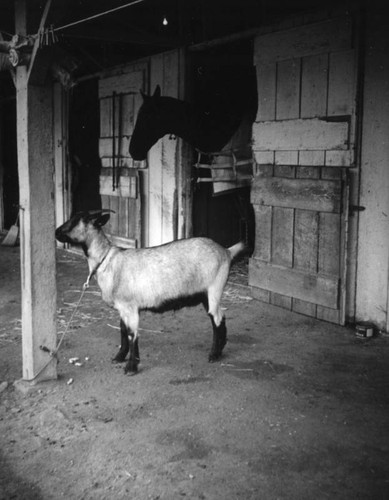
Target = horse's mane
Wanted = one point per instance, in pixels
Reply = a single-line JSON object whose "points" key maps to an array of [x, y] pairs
{"points": [[205, 129]]}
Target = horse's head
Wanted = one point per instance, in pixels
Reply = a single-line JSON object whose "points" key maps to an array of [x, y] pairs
{"points": [[150, 125]]}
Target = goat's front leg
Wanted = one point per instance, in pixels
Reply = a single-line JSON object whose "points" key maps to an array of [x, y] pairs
{"points": [[130, 321], [133, 361], [124, 344]]}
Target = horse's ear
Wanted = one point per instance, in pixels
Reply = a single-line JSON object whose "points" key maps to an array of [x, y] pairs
{"points": [[144, 96], [157, 92]]}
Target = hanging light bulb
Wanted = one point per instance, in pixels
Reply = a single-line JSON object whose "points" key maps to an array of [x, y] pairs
{"points": [[164, 21]]}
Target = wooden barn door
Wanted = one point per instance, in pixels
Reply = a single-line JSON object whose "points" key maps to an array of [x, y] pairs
{"points": [[120, 101], [303, 145]]}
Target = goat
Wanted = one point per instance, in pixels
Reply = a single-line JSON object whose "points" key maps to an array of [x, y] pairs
{"points": [[154, 278]]}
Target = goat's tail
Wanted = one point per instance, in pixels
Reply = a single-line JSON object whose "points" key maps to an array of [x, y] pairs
{"points": [[237, 249]]}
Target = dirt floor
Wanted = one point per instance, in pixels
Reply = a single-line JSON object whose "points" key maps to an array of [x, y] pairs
{"points": [[296, 409]]}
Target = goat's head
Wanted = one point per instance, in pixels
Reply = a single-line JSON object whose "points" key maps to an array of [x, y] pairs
{"points": [[81, 226]]}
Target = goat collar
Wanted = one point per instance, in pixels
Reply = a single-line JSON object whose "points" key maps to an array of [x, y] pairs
{"points": [[94, 271]]}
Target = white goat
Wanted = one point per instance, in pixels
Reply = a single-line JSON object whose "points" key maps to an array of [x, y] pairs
{"points": [[155, 278]]}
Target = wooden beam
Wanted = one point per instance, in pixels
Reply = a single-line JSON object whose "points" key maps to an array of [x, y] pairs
{"points": [[306, 194], [300, 134], [36, 198], [317, 38], [314, 288]]}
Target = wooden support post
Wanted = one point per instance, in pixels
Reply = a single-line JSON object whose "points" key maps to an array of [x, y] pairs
{"points": [[36, 198]]}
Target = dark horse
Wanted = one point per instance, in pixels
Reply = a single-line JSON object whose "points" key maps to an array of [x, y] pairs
{"points": [[205, 130]]}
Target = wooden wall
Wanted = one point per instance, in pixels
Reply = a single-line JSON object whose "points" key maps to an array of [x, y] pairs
{"points": [[373, 239], [304, 146], [151, 201], [167, 171]]}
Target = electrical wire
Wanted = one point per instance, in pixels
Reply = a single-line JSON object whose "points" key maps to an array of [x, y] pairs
{"points": [[98, 15], [74, 23]]}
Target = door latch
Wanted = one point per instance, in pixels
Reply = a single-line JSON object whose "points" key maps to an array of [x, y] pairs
{"points": [[356, 208]]}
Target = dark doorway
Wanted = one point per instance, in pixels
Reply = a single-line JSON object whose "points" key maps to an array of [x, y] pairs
{"points": [[223, 80], [9, 160], [84, 126]]}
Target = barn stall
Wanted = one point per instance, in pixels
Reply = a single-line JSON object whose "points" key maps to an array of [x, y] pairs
{"points": [[312, 255]]}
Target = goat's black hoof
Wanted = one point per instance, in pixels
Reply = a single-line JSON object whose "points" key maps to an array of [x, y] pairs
{"points": [[130, 371], [214, 357], [119, 358]]}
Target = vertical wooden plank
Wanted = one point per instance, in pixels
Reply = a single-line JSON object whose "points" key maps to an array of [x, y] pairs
{"points": [[331, 236], [266, 84], [331, 173], [1, 173], [314, 86], [329, 244], [106, 117], [260, 294], [128, 114], [263, 222], [114, 205], [341, 83], [123, 217], [303, 307], [284, 163], [327, 314], [37, 220], [59, 157], [106, 205], [306, 248], [282, 236], [132, 218], [306, 240], [309, 162], [288, 89], [155, 165], [281, 301], [169, 152]]}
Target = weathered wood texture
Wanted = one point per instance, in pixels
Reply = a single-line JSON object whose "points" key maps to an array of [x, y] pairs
{"points": [[306, 80], [318, 38], [314, 288], [166, 169], [34, 117], [300, 134], [37, 226], [308, 194], [63, 175], [304, 131], [120, 101]]}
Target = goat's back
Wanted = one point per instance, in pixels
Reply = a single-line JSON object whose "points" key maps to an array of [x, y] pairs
{"points": [[154, 275]]}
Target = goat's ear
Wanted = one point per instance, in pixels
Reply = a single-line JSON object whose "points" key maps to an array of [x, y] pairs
{"points": [[102, 220], [157, 92]]}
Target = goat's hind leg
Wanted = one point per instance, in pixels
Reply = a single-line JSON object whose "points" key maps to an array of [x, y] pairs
{"points": [[124, 344], [218, 323], [219, 339]]}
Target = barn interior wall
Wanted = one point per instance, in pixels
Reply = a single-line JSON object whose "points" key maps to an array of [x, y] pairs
{"points": [[166, 210], [373, 236]]}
